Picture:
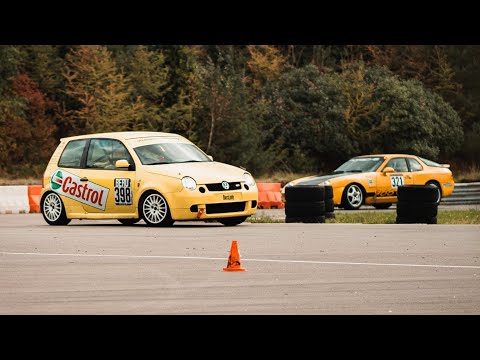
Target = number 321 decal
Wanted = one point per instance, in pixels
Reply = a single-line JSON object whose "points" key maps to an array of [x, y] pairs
{"points": [[396, 181], [123, 191]]}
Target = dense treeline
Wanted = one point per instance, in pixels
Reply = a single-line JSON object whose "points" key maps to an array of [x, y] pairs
{"points": [[268, 108]]}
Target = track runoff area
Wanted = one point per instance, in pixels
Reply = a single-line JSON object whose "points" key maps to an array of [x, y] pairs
{"points": [[103, 267]]}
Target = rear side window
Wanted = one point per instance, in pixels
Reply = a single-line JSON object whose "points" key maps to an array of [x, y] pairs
{"points": [[414, 165], [72, 154]]}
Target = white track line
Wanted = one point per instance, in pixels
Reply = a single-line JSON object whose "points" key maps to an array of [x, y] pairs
{"points": [[257, 260]]}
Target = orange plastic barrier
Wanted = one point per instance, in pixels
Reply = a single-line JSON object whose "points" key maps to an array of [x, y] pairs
{"points": [[270, 196], [34, 197]]}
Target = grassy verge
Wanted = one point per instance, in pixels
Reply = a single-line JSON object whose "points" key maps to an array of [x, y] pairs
{"points": [[471, 216], [22, 181]]}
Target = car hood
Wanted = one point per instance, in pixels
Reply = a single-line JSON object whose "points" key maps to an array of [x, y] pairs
{"points": [[201, 172], [317, 179]]}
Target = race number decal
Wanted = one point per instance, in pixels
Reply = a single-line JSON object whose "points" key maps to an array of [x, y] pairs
{"points": [[123, 192], [396, 181]]}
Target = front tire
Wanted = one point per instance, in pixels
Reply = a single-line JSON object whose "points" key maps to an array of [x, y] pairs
{"points": [[352, 197], [53, 210], [154, 210], [233, 220]]}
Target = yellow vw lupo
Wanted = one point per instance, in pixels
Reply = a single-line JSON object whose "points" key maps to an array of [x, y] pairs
{"points": [[154, 176]]}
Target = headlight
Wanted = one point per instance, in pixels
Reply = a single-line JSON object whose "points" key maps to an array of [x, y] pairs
{"points": [[189, 183], [249, 180], [325, 183]]}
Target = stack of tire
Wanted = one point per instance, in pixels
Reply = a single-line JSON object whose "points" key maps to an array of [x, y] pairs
{"points": [[417, 204], [305, 204], [329, 207]]}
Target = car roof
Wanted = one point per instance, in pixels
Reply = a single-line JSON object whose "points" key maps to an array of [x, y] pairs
{"points": [[385, 155], [125, 135]]}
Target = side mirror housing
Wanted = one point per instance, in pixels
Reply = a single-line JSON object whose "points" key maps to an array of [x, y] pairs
{"points": [[388, 170], [122, 164]]}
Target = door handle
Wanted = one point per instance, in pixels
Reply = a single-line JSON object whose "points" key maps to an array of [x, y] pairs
{"points": [[83, 179]]}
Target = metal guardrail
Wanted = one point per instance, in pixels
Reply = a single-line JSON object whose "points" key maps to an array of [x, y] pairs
{"points": [[464, 193]]}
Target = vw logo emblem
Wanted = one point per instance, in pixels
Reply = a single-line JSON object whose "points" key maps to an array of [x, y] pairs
{"points": [[225, 185]]}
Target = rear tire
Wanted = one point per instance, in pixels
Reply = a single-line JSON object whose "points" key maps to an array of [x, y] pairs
{"points": [[438, 190], [232, 221], [53, 210]]}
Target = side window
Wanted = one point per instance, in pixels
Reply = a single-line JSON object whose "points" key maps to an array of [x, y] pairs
{"points": [[103, 154], [72, 154], [414, 165], [398, 164]]}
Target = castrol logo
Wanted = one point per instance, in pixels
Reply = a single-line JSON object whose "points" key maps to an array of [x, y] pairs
{"points": [[86, 192]]}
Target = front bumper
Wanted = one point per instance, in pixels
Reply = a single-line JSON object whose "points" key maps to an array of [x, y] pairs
{"points": [[193, 205]]}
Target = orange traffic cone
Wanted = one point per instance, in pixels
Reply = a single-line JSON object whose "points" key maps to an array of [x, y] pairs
{"points": [[234, 259]]}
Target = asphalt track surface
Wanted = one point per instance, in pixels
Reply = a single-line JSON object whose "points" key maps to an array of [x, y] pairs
{"points": [[103, 267]]}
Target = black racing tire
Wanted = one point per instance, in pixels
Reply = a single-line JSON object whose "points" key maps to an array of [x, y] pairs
{"points": [[413, 220], [382, 206], [304, 193], [439, 190], [233, 221], [53, 209], [313, 219], [417, 193], [293, 219], [313, 208], [353, 197], [328, 192], [154, 210], [329, 205], [305, 219], [432, 220], [128, 222], [417, 210], [329, 215]]}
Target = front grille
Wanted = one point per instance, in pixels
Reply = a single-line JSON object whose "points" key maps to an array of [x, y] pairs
{"points": [[225, 207], [218, 186]]}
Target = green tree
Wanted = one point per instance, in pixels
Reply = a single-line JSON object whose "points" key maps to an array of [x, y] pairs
{"points": [[102, 94], [227, 122]]}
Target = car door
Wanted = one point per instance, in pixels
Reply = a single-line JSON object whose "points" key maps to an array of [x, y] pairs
{"points": [[115, 186], [388, 183], [64, 178], [416, 170]]}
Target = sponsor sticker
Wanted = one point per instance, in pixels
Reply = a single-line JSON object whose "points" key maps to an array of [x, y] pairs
{"points": [[86, 192], [123, 191]]}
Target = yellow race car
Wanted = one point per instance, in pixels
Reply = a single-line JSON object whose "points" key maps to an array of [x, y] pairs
{"points": [[374, 179], [154, 176]]}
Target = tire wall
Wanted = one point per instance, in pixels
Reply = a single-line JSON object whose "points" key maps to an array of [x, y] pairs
{"points": [[416, 204]]}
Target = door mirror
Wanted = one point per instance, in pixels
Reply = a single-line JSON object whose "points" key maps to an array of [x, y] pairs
{"points": [[210, 157], [388, 170], [122, 164]]}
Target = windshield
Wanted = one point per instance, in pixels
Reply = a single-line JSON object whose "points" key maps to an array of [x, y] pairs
{"points": [[169, 153], [364, 164]]}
